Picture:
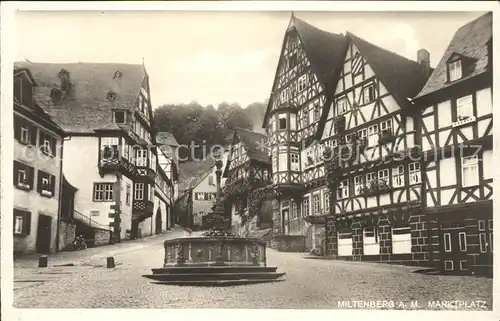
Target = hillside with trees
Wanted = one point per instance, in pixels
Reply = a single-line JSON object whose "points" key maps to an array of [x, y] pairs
{"points": [[206, 124]]}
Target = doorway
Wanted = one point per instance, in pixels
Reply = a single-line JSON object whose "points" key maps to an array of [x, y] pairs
{"points": [[285, 213], [158, 221], [43, 234], [454, 251]]}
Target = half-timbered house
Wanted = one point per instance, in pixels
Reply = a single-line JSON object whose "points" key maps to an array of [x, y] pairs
{"points": [[310, 61], [247, 169], [368, 135], [110, 153], [38, 178], [457, 137]]}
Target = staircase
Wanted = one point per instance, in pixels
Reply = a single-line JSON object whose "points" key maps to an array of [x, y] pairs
{"points": [[90, 229], [214, 275]]}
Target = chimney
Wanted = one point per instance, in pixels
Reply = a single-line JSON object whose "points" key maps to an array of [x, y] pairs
{"points": [[424, 60], [65, 82]]}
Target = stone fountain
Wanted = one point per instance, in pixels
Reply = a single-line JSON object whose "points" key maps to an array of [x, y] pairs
{"points": [[217, 258]]}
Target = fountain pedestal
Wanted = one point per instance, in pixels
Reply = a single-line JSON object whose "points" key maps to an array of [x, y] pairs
{"points": [[217, 258]]}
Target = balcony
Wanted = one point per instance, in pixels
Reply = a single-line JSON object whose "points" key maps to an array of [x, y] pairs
{"points": [[116, 164], [142, 209]]}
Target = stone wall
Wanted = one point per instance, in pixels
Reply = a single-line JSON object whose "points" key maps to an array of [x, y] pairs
{"points": [[101, 237], [288, 243], [67, 233]]}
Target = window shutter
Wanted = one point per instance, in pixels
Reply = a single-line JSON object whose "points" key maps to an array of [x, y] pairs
{"points": [[33, 131], [53, 184], [17, 127], [26, 223], [16, 168], [40, 139], [39, 185], [53, 144], [31, 176]]}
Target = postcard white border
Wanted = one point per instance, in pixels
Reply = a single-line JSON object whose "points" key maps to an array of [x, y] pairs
{"points": [[7, 20]]}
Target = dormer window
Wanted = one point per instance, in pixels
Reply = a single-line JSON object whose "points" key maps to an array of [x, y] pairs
{"points": [[111, 96], [455, 70], [119, 117]]}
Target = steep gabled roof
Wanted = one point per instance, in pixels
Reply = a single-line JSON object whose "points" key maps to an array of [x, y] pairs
{"points": [[471, 41], [166, 138], [324, 50], [87, 108], [35, 108], [403, 77], [255, 145], [193, 172]]}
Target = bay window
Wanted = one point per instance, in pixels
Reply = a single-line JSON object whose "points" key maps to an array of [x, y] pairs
{"points": [[282, 121], [109, 147], [283, 162], [294, 160], [138, 191]]}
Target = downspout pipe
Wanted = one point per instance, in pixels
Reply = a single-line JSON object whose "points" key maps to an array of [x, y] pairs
{"points": [[59, 211]]}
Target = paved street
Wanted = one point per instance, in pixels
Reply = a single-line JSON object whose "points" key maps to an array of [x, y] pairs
{"points": [[308, 284]]}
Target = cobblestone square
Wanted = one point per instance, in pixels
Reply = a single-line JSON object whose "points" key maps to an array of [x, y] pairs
{"points": [[308, 284]]}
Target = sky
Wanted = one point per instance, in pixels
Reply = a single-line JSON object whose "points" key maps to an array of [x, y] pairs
{"points": [[211, 57]]}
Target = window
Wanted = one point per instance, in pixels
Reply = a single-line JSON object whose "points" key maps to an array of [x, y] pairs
{"points": [[327, 201], [464, 108], [22, 222], [151, 193], [103, 192], [138, 191], [23, 176], [210, 180], [127, 195], [295, 211], [305, 119], [109, 148], [373, 135], [370, 177], [46, 184], [447, 242], [370, 235], [47, 144], [362, 134], [368, 94], [482, 242], [292, 61], [141, 157], [341, 106], [282, 121], [285, 95], [398, 176], [305, 207], [301, 85], [470, 175], [24, 131], [119, 117], [358, 184], [383, 176], [414, 173], [455, 70], [481, 225], [317, 112], [401, 240], [343, 189], [386, 127], [295, 162], [462, 241], [316, 204], [283, 162]]}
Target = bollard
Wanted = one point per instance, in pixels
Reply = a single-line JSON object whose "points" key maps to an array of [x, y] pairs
{"points": [[43, 261], [111, 262]]}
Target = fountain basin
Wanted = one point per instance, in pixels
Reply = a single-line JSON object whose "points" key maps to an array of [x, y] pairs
{"points": [[212, 261]]}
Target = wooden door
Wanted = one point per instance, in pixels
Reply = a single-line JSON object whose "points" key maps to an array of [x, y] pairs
{"points": [[44, 234], [454, 251]]}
